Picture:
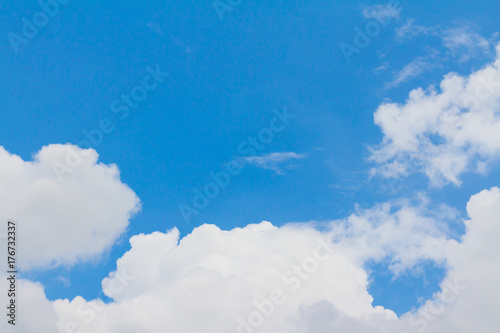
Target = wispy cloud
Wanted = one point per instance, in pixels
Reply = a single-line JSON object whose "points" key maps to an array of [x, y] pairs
{"points": [[413, 69], [464, 42], [154, 27], [410, 30], [64, 281], [382, 67], [273, 161], [381, 12], [459, 43]]}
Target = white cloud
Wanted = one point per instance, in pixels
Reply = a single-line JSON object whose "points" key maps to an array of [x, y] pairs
{"points": [[292, 279], [473, 276], [216, 276], [410, 30], [34, 313], [444, 132], [155, 27], [62, 222], [399, 233], [209, 279], [272, 161], [460, 43], [413, 69], [382, 12], [464, 42]]}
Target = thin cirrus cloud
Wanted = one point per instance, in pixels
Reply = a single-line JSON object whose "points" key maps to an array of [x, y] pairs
{"points": [[465, 43], [442, 132], [461, 43], [227, 279], [413, 69], [462, 40], [410, 29], [382, 12], [273, 161]]}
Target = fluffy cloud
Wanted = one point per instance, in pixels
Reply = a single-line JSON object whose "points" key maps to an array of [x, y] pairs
{"points": [[298, 279], [468, 301], [293, 279], [34, 313], [217, 276], [442, 132], [400, 233], [79, 213]]}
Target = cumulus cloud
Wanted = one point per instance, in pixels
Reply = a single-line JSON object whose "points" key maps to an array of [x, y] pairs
{"points": [[294, 278], [222, 277], [272, 161], [442, 132], [468, 300], [79, 213], [34, 313], [401, 234]]}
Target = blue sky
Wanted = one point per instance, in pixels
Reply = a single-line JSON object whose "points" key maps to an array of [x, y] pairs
{"points": [[227, 79]]}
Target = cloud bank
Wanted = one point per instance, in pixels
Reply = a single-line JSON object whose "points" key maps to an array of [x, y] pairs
{"points": [[294, 278]]}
